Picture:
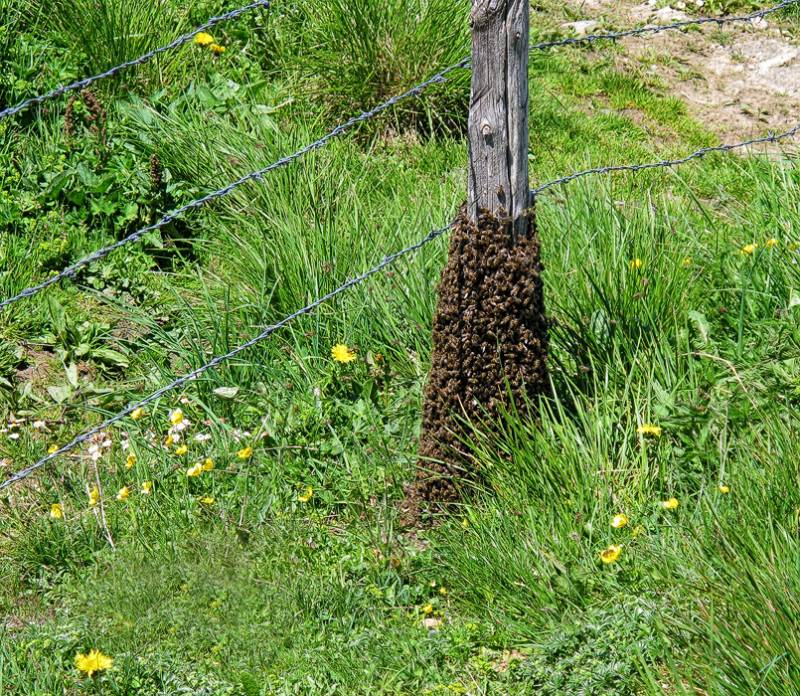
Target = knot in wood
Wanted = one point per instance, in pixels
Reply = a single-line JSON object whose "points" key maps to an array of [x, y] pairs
{"points": [[486, 128], [484, 12]]}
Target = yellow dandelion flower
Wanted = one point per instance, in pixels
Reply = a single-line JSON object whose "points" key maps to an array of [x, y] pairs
{"points": [[203, 39], [94, 496], [245, 453], [93, 661], [635, 264], [123, 494], [147, 487], [195, 470], [52, 449], [771, 243], [443, 591], [671, 504], [611, 554], [619, 521], [207, 500], [724, 489], [169, 441], [217, 49], [687, 261], [176, 416], [57, 511], [180, 451], [137, 413], [749, 249], [130, 460], [464, 523], [208, 464], [341, 353], [427, 609], [307, 495], [649, 429]]}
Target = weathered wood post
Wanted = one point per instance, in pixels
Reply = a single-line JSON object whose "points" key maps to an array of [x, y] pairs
{"points": [[498, 114], [490, 330]]}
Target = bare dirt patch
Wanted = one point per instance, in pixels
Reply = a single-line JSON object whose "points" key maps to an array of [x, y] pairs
{"points": [[740, 81], [39, 366]]}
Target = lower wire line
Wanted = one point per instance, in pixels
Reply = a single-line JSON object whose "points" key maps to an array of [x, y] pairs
{"points": [[190, 376]]}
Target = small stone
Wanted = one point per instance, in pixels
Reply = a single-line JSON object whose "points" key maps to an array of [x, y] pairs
{"points": [[667, 15], [583, 27], [432, 623]]}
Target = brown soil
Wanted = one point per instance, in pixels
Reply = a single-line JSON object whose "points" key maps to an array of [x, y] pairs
{"points": [[489, 343], [739, 81], [40, 366]]}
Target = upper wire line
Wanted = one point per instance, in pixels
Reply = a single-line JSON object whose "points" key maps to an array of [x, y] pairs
{"points": [[658, 28], [86, 81]]}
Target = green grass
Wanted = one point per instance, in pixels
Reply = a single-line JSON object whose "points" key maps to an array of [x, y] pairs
{"points": [[267, 590]]}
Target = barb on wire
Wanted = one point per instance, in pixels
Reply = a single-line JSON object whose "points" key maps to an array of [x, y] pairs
{"points": [[702, 152], [190, 376], [101, 253], [86, 81], [657, 29]]}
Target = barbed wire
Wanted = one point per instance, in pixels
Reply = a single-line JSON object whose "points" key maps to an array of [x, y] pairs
{"points": [[190, 376], [702, 152], [86, 81], [387, 260], [657, 29], [70, 270], [568, 41], [414, 91]]}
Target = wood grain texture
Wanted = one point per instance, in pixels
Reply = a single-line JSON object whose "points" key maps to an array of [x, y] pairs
{"points": [[498, 117]]}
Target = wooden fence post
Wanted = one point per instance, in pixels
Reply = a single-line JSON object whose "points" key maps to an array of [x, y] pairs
{"points": [[498, 115], [490, 331]]}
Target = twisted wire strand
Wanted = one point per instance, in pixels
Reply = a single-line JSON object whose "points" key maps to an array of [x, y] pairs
{"points": [[101, 253], [610, 36], [86, 81], [190, 376], [657, 29], [702, 152]]}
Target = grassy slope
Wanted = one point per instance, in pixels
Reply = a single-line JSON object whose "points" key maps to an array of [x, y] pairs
{"points": [[261, 593]]}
